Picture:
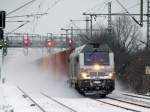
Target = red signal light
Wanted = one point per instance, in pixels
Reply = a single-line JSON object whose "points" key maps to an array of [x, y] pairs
{"points": [[50, 43], [25, 41], [70, 41]]}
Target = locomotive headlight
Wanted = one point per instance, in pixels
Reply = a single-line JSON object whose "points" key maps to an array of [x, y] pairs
{"points": [[84, 75], [97, 67], [110, 74]]}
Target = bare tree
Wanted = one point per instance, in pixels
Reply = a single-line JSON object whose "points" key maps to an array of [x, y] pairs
{"points": [[127, 33], [129, 60]]}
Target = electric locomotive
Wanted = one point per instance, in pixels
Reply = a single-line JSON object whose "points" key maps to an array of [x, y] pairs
{"points": [[91, 69]]}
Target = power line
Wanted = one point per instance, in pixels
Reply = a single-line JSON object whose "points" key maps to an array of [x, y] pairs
{"points": [[122, 6], [114, 14], [20, 7], [53, 5], [18, 21], [94, 7], [135, 5], [82, 35], [35, 19], [101, 9], [19, 27], [29, 15], [128, 13]]}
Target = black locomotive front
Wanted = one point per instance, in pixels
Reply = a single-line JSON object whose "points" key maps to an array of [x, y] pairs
{"points": [[96, 86]]}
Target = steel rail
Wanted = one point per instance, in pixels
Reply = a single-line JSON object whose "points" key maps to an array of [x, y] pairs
{"points": [[105, 102], [58, 102], [129, 102], [40, 107], [126, 94]]}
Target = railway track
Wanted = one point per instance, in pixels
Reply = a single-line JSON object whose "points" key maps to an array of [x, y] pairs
{"points": [[127, 105], [72, 110], [48, 97], [122, 107], [129, 102], [91, 104], [35, 103], [119, 103], [143, 95], [137, 96]]}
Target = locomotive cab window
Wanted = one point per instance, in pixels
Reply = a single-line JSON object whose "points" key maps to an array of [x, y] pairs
{"points": [[97, 57]]}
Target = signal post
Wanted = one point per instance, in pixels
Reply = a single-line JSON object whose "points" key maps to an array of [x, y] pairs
{"points": [[3, 43]]}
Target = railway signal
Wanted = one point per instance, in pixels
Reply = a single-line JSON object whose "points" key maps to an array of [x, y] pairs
{"points": [[26, 41], [2, 19], [50, 36], [1, 34], [70, 41], [50, 43]]}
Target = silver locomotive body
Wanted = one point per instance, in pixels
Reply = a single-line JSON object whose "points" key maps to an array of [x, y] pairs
{"points": [[91, 70]]}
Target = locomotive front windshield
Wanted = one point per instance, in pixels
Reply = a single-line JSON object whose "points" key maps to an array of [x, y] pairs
{"points": [[101, 58]]}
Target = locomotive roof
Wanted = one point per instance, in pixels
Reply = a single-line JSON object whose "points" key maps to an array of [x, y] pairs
{"points": [[91, 48], [97, 47]]}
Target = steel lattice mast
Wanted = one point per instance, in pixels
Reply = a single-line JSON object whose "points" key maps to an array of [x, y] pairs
{"points": [[148, 23]]}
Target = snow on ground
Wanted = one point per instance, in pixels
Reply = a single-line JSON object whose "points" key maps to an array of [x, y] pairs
{"points": [[3, 103], [26, 72], [22, 68], [47, 104], [137, 97], [88, 105], [127, 105], [16, 101]]}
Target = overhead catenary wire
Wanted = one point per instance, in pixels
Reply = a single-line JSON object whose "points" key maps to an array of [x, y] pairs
{"points": [[36, 18], [24, 5], [122, 6], [28, 15], [93, 8], [100, 9], [135, 5], [19, 27], [83, 35], [20, 7], [53, 5], [18, 21], [128, 12]]}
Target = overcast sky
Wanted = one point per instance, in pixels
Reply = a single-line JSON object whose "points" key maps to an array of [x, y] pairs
{"points": [[59, 15]]}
